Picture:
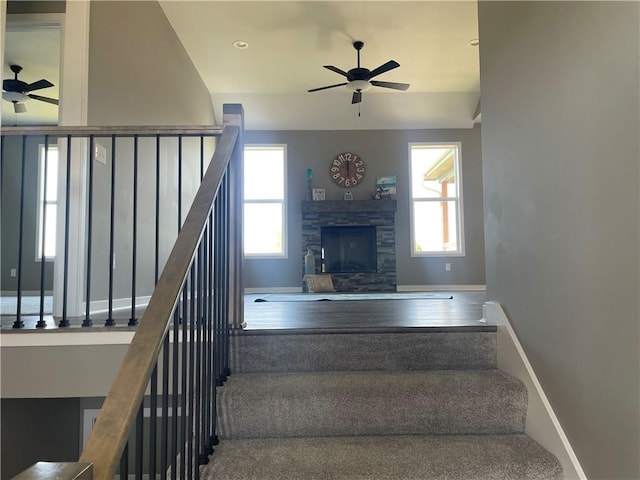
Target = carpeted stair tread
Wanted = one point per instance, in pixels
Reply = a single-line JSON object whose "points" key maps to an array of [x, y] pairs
{"points": [[362, 352], [440, 457], [371, 403]]}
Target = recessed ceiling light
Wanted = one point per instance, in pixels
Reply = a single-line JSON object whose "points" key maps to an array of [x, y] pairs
{"points": [[241, 44], [474, 42]]}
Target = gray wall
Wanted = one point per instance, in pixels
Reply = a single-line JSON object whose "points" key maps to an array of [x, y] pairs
{"points": [[385, 153], [140, 74], [560, 123], [10, 221], [36, 429]]}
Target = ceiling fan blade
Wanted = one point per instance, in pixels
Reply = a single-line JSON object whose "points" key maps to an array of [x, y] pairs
{"points": [[19, 107], [394, 85], [44, 99], [390, 65], [336, 69], [357, 97], [328, 86], [38, 85]]}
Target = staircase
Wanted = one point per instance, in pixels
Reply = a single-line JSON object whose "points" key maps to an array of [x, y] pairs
{"points": [[405, 404]]}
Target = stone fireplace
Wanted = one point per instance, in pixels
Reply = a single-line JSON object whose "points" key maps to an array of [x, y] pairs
{"points": [[323, 216]]}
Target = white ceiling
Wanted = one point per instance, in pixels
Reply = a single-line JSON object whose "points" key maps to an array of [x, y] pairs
{"points": [[289, 42]]}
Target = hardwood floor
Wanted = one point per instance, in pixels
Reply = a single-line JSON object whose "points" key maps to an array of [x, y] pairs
{"points": [[436, 310], [443, 309]]}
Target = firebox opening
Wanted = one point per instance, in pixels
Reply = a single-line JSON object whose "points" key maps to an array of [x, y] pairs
{"points": [[349, 249]]}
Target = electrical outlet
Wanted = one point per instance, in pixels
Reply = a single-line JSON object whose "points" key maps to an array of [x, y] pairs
{"points": [[447, 267], [13, 272]]}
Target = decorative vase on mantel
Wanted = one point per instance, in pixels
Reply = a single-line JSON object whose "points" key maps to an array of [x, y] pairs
{"points": [[309, 263]]}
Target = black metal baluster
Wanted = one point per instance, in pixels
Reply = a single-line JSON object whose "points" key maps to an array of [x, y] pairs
{"points": [[164, 430], [209, 382], [193, 320], [200, 367], [87, 322], [64, 322], [157, 224], [110, 322], [124, 463], [175, 394], [139, 453], [133, 321], [153, 423], [183, 383], [179, 183], [18, 323], [226, 277], [41, 322], [213, 332]]}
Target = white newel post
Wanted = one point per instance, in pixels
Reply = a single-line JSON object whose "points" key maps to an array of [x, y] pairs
{"points": [[74, 72]]}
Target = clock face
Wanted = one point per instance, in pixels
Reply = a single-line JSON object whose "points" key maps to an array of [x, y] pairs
{"points": [[347, 170]]}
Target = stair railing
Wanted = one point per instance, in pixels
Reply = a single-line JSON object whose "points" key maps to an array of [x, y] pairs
{"points": [[159, 418]]}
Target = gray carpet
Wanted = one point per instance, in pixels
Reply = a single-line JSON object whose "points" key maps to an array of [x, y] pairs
{"points": [[373, 406]]}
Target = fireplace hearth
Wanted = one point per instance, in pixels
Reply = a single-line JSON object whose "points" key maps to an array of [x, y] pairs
{"points": [[358, 238]]}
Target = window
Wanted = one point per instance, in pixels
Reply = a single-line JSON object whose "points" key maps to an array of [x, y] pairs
{"points": [[47, 202], [436, 199], [264, 201]]}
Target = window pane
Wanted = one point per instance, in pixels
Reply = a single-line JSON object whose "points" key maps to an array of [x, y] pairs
{"points": [[433, 171], [264, 173], [263, 228], [51, 187], [435, 226], [50, 231]]}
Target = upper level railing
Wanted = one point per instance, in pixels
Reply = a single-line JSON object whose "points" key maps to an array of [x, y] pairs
{"points": [[89, 216], [159, 418]]}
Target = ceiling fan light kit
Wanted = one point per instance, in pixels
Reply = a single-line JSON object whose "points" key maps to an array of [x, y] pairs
{"points": [[16, 91], [359, 78]]}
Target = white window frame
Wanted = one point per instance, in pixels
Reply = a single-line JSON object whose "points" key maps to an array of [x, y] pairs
{"points": [[460, 252], [284, 254], [40, 202]]}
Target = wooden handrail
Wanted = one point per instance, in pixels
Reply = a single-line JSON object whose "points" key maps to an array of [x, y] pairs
{"points": [[84, 131], [111, 431]]}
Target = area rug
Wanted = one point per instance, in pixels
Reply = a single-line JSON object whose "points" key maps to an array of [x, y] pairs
{"points": [[310, 297]]}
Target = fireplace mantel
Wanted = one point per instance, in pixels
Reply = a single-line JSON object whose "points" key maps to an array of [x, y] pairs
{"points": [[387, 205]]}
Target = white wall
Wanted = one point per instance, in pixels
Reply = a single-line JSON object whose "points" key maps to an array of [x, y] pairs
{"points": [[560, 123]]}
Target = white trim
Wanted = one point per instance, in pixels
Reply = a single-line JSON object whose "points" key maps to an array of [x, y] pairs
{"points": [[57, 338], [249, 291], [285, 227], [441, 288], [460, 252], [100, 306], [542, 424]]}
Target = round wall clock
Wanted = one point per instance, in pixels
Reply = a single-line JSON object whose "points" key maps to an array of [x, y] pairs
{"points": [[347, 170]]}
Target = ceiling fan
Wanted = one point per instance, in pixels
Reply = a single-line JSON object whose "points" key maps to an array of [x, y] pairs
{"points": [[16, 91], [359, 79]]}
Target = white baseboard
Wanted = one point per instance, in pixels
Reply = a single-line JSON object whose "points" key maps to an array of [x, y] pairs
{"points": [[99, 306], [441, 288], [542, 424]]}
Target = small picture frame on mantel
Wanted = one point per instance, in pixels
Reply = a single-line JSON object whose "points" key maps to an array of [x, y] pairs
{"points": [[319, 194]]}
